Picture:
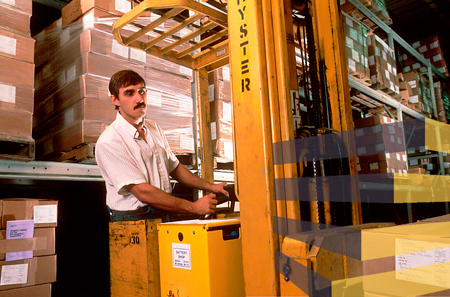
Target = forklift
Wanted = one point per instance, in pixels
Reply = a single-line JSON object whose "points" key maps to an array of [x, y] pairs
{"points": [[288, 245]]}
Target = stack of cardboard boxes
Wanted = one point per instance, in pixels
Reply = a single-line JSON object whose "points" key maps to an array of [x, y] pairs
{"points": [[16, 71], [420, 92], [380, 145], [356, 48], [220, 104], [430, 49], [383, 66], [420, 162], [378, 7], [27, 247], [77, 56]]}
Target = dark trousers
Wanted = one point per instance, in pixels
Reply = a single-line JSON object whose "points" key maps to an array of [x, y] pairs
{"points": [[143, 213]]}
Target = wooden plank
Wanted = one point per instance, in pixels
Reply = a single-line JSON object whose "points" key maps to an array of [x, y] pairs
{"points": [[17, 149], [83, 153]]}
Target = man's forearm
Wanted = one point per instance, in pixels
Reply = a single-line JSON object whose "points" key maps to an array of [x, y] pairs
{"points": [[187, 178]]}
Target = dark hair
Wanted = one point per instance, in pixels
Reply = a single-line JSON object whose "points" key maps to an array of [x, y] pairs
{"points": [[123, 79]]}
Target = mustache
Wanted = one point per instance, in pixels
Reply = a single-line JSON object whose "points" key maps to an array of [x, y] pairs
{"points": [[140, 105]]}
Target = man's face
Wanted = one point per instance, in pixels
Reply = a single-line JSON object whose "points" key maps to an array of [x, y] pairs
{"points": [[132, 103]]}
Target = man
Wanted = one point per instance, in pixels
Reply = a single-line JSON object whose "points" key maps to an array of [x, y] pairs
{"points": [[135, 160]]}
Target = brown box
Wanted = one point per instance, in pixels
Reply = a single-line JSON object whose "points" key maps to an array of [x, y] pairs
{"points": [[15, 21], [16, 46], [84, 109], [15, 72], [44, 212], [372, 121], [168, 83], [42, 243], [223, 149], [90, 63], [16, 123], [382, 63], [85, 86], [77, 8], [41, 270], [16, 98], [24, 6], [33, 291]]}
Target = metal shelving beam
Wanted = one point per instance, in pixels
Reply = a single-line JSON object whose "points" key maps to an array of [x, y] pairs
{"points": [[354, 83]]}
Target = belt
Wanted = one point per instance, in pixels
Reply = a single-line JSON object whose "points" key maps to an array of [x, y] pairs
{"points": [[142, 213]]}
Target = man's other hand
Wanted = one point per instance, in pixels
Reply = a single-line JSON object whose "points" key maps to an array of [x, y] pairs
{"points": [[219, 189], [206, 204]]}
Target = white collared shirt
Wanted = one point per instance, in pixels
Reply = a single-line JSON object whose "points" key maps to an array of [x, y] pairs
{"points": [[124, 159]]}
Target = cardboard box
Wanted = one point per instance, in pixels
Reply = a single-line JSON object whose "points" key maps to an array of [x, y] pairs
{"points": [[39, 270], [383, 66], [16, 123], [52, 77], [77, 8], [15, 72], [33, 291], [16, 46], [42, 243], [44, 212], [166, 82], [15, 21], [16, 98]]}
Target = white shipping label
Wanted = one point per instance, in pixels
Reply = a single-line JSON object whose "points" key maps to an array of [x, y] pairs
{"points": [[226, 107], [348, 42], [430, 166], [7, 93], [389, 67], [64, 37], [446, 165], [388, 156], [443, 69], [387, 74], [392, 138], [361, 150], [377, 128], [416, 44], [228, 150], [71, 73], [394, 70], [404, 158], [423, 49], [181, 255], [402, 57], [358, 166], [349, 22], [14, 274], [185, 71], [399, 140], [355, 56], [416, 66], [422, 262], [373, 78], [213, 131], [413, 162], [384, 55], [45, 213], [221, 52], [187, 142], [437, 58], [373, 166], [353, 34], [351, 65], [406, 69], [398, 157], [69, 116], [377, 52], [372, 60], [226, 73], [391, 86], [379, 147], [10, 2], [122, 6], [154, 98], [138, 55], [434, 45], [211, 93], [119, 49], [342, 2], [8, 45], [412, 84], [359, 132]]}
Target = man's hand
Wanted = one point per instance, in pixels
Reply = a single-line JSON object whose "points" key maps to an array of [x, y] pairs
{"points": [[219, 189], [206, 204]]}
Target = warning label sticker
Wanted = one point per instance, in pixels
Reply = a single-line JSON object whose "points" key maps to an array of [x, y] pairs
{"points": [[181, 255]]}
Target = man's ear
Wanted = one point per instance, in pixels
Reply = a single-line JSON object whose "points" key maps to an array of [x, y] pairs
{"points": [[114, 100]]}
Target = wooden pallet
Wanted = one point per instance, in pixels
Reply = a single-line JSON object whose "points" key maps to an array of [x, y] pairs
{"points": [[381, 87], [83, 153], [221, 163], [17, 149], [361, 78]]}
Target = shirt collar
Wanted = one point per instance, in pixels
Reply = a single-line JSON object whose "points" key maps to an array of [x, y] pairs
{"points": [[130, 129]]}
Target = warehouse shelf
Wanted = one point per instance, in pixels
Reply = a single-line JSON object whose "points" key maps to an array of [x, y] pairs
{"points": [[43, 170]]}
